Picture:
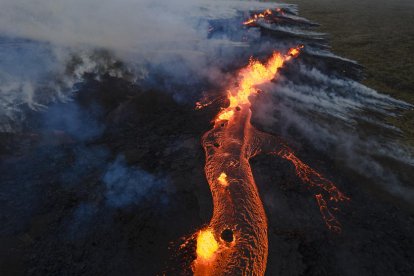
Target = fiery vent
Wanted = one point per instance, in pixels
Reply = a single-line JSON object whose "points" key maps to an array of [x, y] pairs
{"points": [[223, 179], [235, 241], [206, 245], [254, 74], [257, 16]]}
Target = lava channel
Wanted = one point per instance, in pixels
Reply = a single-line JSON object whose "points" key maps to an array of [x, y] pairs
{"points": [[236, 242]]}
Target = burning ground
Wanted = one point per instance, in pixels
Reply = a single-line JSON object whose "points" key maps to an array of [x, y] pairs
{"points": [[102, 167]]}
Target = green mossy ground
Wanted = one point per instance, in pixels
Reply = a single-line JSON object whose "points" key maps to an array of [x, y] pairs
{"points": [[379, 34]]}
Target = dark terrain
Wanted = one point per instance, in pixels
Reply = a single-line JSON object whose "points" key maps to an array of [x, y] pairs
{"points": [[69, 226], [111, 182]]}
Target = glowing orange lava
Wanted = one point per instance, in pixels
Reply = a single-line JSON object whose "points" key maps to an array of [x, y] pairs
{"points": [[223, 179], [254, 74], [206, 245], [257, 16], [235, 241]]}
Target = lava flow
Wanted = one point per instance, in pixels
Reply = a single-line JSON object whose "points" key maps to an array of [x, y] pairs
{"points": [[235, 241], [262, 15]]}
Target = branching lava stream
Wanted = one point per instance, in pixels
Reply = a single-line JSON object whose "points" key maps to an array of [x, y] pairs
{"points": [[235, 242]]}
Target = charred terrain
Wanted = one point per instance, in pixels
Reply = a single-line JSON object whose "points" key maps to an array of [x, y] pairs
{"points": [[131, 172]]}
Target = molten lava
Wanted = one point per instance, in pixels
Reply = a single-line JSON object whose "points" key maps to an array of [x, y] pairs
{"points": [[257, 16], [223, 179], [264, 14], [235, 241], [206, 245], [250, 77]]}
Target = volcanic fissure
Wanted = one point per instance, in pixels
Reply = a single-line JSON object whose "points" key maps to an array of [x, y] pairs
{"points": [[236, 240]]}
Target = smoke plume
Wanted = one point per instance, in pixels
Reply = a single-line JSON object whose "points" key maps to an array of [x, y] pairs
{"points": [[186, 47]]}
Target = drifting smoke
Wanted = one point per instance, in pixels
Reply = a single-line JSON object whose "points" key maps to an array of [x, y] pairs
{"points": [[71, 119], [185, 47], [48, 46], [123, 186], [330, 112], [126, 185], [36, 74], [56, 56], [81, 220]]}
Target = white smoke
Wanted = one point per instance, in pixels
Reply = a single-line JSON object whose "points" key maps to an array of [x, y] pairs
{"points": [[46, 47], [151, 30], [126, 185], [343, 118], [40, 39]]}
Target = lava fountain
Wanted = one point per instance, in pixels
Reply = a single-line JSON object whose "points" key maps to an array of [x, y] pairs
{"points": [[235, 242]]}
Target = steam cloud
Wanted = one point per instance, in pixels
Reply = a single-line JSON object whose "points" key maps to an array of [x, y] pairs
{"points": [[330, 113], [60, 40]]}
